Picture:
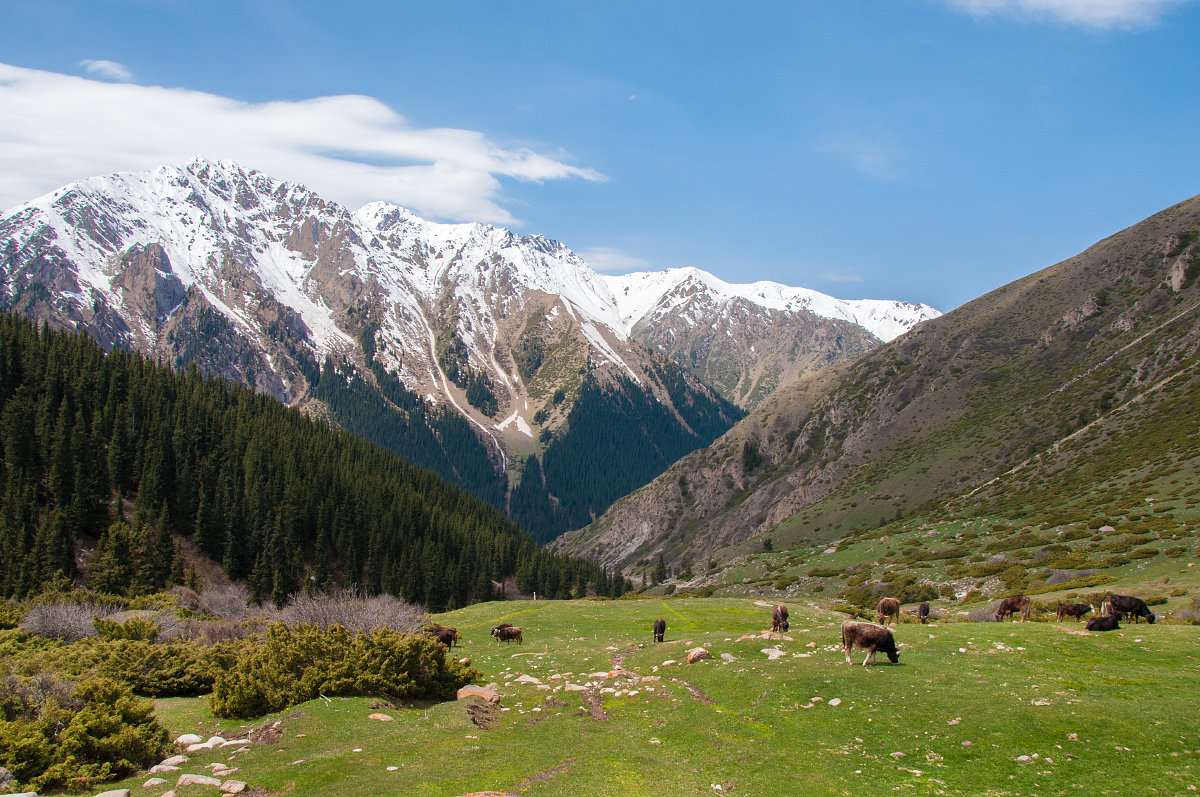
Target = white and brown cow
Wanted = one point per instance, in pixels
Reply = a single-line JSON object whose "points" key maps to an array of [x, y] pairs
{"points": [[871, 637]]}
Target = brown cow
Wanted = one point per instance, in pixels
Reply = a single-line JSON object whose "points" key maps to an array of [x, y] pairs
{"points": [[1010, 606], [660, 628], [507, 632], [1076, 610], [870, 637], [1105, 622], [779, 621], [923, 611], [443, 633], [888, 607]]}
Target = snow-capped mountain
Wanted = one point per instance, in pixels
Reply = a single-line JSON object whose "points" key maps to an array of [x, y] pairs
{"points": [[265, 282]]}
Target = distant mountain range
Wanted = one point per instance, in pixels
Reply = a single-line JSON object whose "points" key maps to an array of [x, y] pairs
{"points": [[494, 358], [1066, 396]]}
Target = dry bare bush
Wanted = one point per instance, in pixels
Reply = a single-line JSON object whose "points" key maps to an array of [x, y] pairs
{"points": [[985, 615], [213, 631], [229, 602], [353, 610], [68, 621]]}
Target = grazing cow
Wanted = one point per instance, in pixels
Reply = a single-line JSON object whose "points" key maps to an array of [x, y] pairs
{"points": [[1129, 608], [923, 611], [869, 637], [507, 632], [444, 634], [660, 628], [888, 607], [779, 621], [1010, 606], [1105, 622], [1076, 610]]}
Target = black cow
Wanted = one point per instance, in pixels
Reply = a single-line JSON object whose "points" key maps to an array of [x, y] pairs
{"points": [[1105, 622], [1129, 608], [1076, 610], [660, 628], [779, 621], [1010, 606], [870, 637], [923, 611], [507, 632]]}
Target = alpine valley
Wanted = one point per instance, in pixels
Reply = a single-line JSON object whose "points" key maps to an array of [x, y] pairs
{"points": [[503, 362]]}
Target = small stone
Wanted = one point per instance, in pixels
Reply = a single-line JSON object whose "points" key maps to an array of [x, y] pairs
{"points": [[897, 755], [574, 688], [392, 769], [837, 701], [235, 742], [233, 787], [160, 769], [153, 782], [966, 744], [1024, 758], [698, 654], [380, 717], [527, 679]]}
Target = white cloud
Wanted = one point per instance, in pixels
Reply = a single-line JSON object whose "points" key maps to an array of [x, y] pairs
{"points": [[353, 149], [874, 157], [832, 276], [613, 261], [106, 70], [1089, 13]]}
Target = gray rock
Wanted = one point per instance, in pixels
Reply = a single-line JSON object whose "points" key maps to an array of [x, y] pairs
{"points": [[114, 793], [153, 782], [188, 738], [233, 787], [174, 761], [196, 780], [160, 769]]}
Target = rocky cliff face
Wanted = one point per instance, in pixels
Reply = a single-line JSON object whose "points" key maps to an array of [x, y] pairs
{"points": [[269, 284]]}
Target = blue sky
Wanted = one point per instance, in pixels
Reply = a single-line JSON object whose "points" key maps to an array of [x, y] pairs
{"points": [[927, 150]]}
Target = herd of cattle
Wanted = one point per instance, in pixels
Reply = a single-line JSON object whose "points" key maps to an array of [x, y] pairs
{"points": [[877, 637]]}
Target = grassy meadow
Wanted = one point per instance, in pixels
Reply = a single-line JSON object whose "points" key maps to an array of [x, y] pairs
{"points": [[1097, 714]]}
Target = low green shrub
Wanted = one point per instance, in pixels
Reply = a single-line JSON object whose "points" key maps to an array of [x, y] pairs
{"points": [[54, 734], [136, 628], [291, 666], [176, 669], [11, 614]]}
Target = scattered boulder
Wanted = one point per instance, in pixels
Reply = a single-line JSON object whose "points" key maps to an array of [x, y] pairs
{"points": [[188, 738], [380, 717], [161, 769], [114, 793], [527, 679], [698, 654], [233, 787], [196, 780], [470, 690], [174, 761], [153, 782]]}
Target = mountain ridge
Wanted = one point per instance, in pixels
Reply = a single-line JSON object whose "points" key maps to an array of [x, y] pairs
{"points": [[1008, 389]]}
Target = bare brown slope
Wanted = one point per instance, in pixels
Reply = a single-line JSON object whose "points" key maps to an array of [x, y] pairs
{"points": [[950, 406]]}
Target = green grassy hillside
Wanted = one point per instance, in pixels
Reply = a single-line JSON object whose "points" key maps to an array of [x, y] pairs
{"points": [[1066, 397], [1099, 714]]}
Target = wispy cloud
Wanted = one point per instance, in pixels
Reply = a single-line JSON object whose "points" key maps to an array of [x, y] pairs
{"points": [[873, 156], [106, 70], [354, 149], [613, 261], [831, 276], [1087, 13]]}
